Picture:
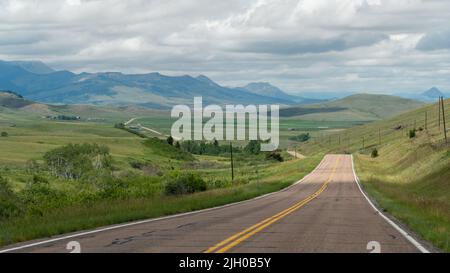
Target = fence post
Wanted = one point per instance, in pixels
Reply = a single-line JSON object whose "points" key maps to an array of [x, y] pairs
{"points": [[439, 113], [232, 165], [443, 119]]}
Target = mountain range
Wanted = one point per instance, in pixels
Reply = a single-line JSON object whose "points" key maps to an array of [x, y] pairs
{"points": [[38, 82]]}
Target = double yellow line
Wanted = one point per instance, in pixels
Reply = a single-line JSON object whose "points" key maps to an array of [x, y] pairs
{"points": [[236, 239]]}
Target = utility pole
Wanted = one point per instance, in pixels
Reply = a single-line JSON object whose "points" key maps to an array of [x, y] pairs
{"points": [[443, 119], [364, 146], [439, 113], [232, 166]]}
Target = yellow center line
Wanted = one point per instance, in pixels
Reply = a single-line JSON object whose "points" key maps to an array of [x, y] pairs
{"points": [[234, 240]]}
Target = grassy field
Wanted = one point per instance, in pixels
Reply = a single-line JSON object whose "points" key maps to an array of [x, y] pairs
{"points": [[106, 212], [138, 192], [410, 178], [59, 205]]}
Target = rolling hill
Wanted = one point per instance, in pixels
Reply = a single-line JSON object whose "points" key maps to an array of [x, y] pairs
{"points": [[359, 107], [13, 106], [410, 177], [268, 90], [37, 82]]}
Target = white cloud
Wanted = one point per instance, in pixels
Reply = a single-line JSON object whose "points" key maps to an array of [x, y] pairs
{"points": [[300, 45]]}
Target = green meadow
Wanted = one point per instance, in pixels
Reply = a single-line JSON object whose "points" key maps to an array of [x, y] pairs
{"points": [[40, 204]]}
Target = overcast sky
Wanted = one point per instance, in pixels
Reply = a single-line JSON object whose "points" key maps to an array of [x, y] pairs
{"points": [[304, 45]]}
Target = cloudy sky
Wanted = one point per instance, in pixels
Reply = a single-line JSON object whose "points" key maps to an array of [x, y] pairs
{"points": [[298, 45]]}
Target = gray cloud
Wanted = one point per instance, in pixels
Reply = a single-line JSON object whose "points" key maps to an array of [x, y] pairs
{"points": [[340, 43], [300, 45], [435, 40]]}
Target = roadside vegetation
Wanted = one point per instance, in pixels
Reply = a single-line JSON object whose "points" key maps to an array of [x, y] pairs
{"points": [[404, 164], [78, 176]]}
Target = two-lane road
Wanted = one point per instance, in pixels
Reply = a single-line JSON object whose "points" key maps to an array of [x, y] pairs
{"points": [[325, 212]]}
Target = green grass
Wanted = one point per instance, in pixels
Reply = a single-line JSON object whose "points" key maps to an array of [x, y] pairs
{"points": [[107, 212], [410, 178], [78, 205]]}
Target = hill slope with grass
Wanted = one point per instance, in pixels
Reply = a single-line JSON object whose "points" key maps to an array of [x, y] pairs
{"points": [[359, 107], [410, 177]]}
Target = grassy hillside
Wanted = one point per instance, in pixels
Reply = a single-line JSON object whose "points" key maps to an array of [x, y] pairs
{"points": [[410, 178], [360, 107]]}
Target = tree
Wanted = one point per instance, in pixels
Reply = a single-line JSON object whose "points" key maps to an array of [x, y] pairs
{"points": [[301, 138], [274, 156], [374, 153], [4, 134], [253, 147], [75, 160], [170, 140]]}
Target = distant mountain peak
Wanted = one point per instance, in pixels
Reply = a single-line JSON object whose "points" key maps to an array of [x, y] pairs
{"points": [[262, 85], [205, 79], [433, 92], [36, 67]]}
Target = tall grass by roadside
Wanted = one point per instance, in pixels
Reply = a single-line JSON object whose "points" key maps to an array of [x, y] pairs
{"points": [[86, 215]]}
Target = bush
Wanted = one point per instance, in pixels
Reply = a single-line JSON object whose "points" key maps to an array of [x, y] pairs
{"points": [[219, 183], [135, 164], [185, 184], [275, 156], [74, 160], [301, 138], [412, 133], [4, 134], [374, 153], [253, 147], [9, 203], [170, 140]]}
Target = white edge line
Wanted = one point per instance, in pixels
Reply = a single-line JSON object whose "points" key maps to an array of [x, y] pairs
{"points": [[405, 234], [156, 219]]}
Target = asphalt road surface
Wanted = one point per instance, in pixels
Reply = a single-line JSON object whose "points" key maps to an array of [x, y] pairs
{"points": [[325, 212]]}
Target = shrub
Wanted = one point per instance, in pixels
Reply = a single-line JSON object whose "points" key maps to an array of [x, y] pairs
{"points": [[275, 156], [135, 164], [374, 153], [74, 160], [185, 184], [253, 147], [301, 138], [170, 140], [112, 188], [4, 134], [219, 183], [412, 133], [32, 166], [9, 203]]}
